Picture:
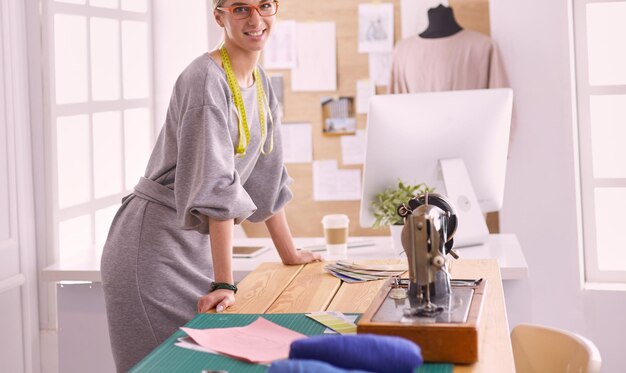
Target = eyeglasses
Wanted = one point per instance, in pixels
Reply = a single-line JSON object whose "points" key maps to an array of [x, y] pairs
{"points": [[245, 11]]}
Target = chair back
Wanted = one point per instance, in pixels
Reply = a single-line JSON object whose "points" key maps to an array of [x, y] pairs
{"points": [[543, 349]]}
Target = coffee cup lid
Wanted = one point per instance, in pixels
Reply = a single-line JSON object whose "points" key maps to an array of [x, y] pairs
{"points": [[335, 221]]}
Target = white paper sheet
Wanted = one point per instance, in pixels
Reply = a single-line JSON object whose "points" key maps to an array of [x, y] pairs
{"points": [[316, 69], [353, 148], [365, 89], [280, 50], [375, 27], [332, 184], [380, 68], [414, 15], [297, 142]]}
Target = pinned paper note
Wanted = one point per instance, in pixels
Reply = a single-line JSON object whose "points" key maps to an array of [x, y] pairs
{"points": [[353, 148], [375, 28], [333, 184], [297, 142], [280, 49], [365, 89], [317, 57], [380, 68]]}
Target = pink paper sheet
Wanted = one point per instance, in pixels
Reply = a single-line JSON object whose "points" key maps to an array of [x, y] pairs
{"points": [[262, 341]]}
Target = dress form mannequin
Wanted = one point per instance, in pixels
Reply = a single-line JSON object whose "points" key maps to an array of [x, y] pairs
{"points": [[441, 23]]}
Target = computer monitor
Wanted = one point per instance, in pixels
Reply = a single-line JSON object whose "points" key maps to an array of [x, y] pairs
{"points": [[409, 135]]}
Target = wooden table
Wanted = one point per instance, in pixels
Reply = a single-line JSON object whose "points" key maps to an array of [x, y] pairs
{"points": [[275, 288]]}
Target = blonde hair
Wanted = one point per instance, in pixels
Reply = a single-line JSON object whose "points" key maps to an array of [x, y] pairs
{"points": [[217, 3]]}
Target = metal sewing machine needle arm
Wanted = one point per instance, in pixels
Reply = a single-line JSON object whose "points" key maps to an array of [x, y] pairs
{"points": [[425, 235]]}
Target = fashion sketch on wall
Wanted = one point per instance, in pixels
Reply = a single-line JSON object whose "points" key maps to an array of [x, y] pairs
{"points": [[375, 28]]}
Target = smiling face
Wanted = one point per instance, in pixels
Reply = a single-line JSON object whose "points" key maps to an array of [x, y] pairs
{"points": [[247, 34]]}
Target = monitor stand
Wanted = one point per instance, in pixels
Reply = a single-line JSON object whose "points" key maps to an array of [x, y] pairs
{"points": [[472, 228]]}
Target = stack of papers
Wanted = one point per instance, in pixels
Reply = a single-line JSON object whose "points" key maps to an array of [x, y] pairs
{"points": [[352, 272]]}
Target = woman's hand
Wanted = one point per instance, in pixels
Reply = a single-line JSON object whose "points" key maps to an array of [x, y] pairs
{"points": [[302, 257], [283, 241], [219, 299]]}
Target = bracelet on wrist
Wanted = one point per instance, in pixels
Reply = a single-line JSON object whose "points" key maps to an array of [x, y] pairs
{"points": [[223, 285]]}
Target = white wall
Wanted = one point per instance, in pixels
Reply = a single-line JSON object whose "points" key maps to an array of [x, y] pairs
{"points": [[540, 198], [214, 31], [180, 35]]}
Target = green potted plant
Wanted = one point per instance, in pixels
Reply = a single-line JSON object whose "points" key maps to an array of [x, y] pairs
{"points": [[385, 206]]}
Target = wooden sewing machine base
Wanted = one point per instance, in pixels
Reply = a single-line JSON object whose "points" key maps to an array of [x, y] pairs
{"points": [[451, 336]]}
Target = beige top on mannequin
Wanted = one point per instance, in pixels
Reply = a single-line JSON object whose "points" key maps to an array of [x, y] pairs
{"points": [[464, 60]]}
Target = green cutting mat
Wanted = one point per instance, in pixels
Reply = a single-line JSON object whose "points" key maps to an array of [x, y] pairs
{"points": [[171, 359]]}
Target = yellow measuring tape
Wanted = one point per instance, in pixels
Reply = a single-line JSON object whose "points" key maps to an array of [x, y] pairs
{"points": [[244, 130]]}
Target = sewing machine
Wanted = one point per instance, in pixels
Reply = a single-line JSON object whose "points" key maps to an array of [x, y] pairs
{"points": [[438, 313]]}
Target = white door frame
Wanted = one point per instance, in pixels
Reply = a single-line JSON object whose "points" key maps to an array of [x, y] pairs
{"points": [[20, 242]]}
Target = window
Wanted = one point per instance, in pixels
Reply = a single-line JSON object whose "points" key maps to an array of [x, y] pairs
{"points": [[599, 39], [99, 131]]}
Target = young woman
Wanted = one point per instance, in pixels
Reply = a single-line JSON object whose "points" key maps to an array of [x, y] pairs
{"points": [[217, 161]]}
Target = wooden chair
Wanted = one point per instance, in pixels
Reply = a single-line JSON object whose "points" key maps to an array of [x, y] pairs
{"points": [[542, 349]]}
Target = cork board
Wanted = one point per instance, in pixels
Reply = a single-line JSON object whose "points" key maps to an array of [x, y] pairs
{"points": [[305, 214]]}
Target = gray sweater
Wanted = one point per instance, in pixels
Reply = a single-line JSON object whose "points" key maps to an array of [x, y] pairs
{"points": [[195, 151]]}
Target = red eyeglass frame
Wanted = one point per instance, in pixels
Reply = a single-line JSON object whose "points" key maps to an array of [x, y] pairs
{"points": [[230, 9]]}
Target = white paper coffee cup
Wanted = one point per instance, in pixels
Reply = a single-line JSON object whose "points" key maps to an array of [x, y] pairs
{"points": [[336, 236]]}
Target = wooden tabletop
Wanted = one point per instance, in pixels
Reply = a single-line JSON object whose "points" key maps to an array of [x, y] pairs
{"points": [[276, 288]]}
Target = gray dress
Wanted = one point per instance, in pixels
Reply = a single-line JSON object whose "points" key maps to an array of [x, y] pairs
{"points": [[156, 262]]}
